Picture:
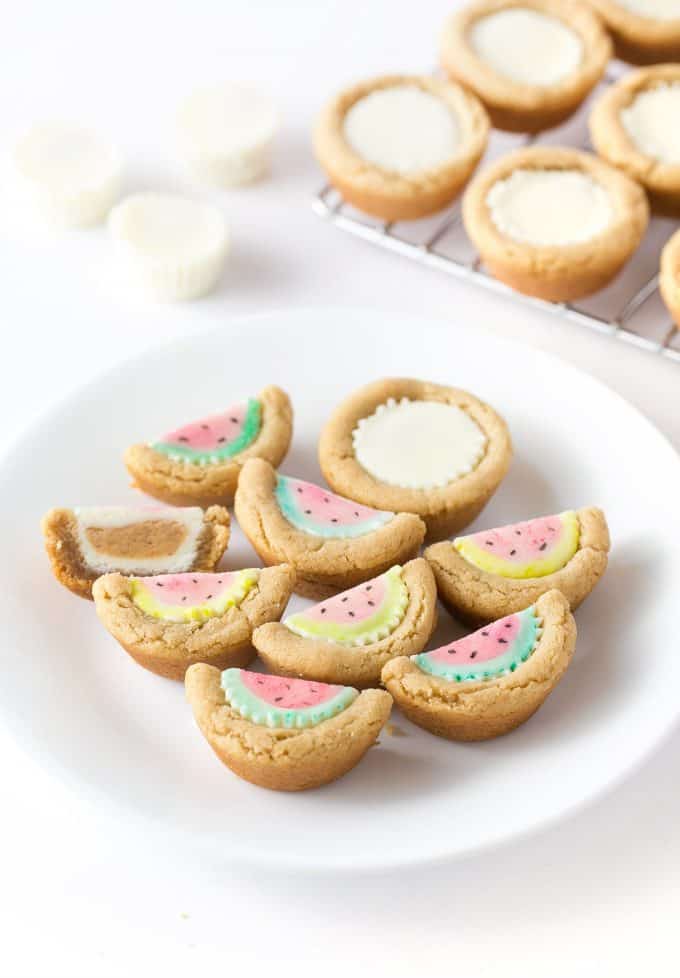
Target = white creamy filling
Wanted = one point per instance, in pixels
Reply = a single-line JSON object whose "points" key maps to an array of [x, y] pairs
{"points": [[549, 207], [66, 158], [652, 121], [403, 129], [527, 46], [106, 517], [653, 9], [227, 119], [418, 444], [168, 227]]}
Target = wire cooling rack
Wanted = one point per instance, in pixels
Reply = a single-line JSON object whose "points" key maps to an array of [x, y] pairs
{"points": [[630, 309]]}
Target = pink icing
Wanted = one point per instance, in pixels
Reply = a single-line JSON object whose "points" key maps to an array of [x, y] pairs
{"points": [[520, 542], [486, 643], [351, 606], [288, 694], [188, 589], [211, 432], [326, 506]]}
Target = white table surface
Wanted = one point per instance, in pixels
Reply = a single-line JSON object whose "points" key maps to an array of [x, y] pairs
{"points": [[82, 896]]}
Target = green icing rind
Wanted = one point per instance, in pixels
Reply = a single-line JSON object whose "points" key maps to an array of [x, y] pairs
{"points": [[251, 708], [520, 650], [381, 624], [249, 432]]}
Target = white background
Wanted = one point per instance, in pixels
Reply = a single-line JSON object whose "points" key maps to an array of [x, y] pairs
{"points": [[82, 896]]}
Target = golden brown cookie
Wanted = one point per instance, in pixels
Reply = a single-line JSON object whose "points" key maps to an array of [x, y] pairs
{"points": [[333, 542], [490, 682], [669, 280], [553, 222], [168, 622], [634, 126], [199, 463], [531, 62], [401, 146], [416, 447], [349, 638], [485, 575], [284, 734], [644, 32], [89, 541]]}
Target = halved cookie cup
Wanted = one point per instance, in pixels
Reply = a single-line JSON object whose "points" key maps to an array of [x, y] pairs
{"points": [[478, 709], [557, 273], [445, 509], [476, 596], [84, 543], [669, 280], [279, 758], [399, 610], [518, 106], [388, 194], [168, 647], [174, 474], [324, 565], [614, 144], [640, 38]]}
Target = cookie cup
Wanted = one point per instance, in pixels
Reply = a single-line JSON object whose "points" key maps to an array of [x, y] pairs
{"points": [[613, 144], [168, 648], [385, 193], [284, 759], [289, 654], [323, 566], [187, 484], [477, 597], [479, 710], [639, 40], [444, 509], [60, 531], [669, 279], [557, 273], [516, 106]]}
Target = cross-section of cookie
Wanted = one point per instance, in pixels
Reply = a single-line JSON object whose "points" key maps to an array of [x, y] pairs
{"points": [[349, 638], [198, 464], [170, 621], [490, 682], [416, 447], [284, 734], [333, 542], [484, 575], [89, 541]]}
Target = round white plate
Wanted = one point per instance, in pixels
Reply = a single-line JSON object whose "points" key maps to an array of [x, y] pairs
{"points": [[127, 738]]}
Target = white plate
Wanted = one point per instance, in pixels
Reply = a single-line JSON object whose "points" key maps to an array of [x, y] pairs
{"points": [[127, 739]]}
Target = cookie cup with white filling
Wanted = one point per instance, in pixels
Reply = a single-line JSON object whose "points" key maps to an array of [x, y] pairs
{"points": [[634, 126], [285, 758], [401, 147], [554, 223], [531, 62], [363, 454], [669, 279], [641, 34], [167, 639], [465, 709]]}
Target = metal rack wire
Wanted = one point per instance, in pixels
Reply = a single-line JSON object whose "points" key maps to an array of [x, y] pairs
{"points": [[630, 309]]}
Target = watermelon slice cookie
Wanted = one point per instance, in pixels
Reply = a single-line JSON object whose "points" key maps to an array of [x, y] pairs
{"points": [[484, 575], [166, 622], [348, 638], [491, 681], [416, 447], [199, 462], [89, 541], [282, 733], [332, 541]]}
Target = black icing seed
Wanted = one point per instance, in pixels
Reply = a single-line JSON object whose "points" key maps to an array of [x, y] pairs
{"points": [[372, 604], [512, 553], [323, 611], [194, 580], [473, 655], [485, 633], [287, 685], [277, 699], [343, 599], [184, 597], [220, 440], [450, 651], [326, 499], [508, 624], [158, 584], [334, 520], [369, 587], [351, 614], [356, 514], [308, 511], [209, 597], [518, 532], [543, 546], [503, 641], [489, 543], [205, 427], [234, 420], [299, 490], [260, 682], [182, 438]]}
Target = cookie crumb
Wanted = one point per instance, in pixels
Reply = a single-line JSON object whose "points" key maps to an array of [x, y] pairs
{"points": [[394, 731]]}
